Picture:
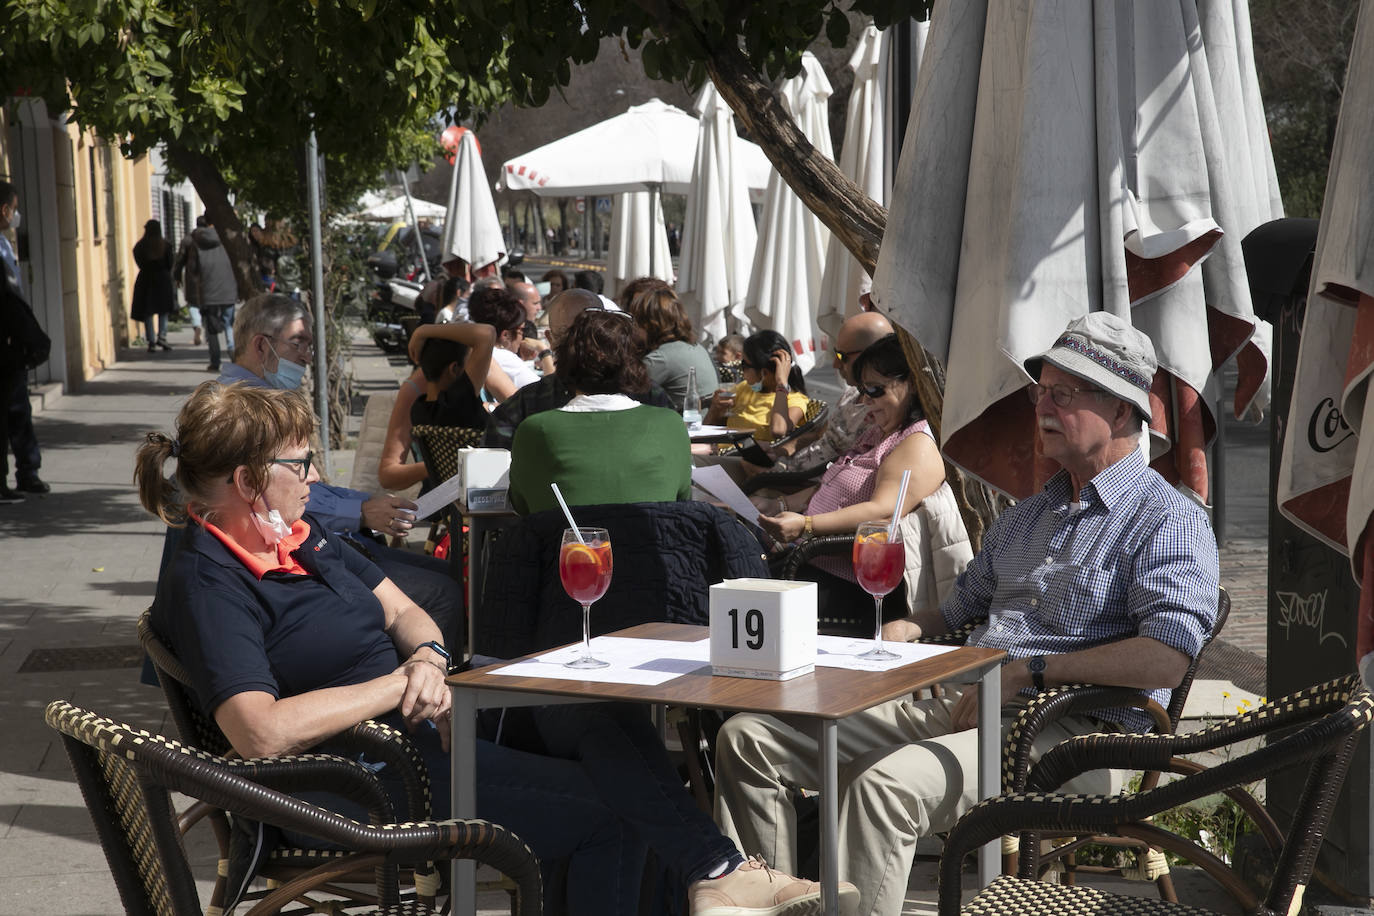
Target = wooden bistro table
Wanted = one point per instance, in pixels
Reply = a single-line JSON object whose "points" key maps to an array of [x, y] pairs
{"points": [[825, 697]]}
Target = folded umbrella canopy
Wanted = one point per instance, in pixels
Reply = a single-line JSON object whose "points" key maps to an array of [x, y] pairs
{"points": [[785, 282], [719, 234], [1326, 474], [639, 241], [1063, 158], [472, 230]]}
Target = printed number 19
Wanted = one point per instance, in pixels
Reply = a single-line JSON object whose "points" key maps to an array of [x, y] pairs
{"points": [[753, 626]]}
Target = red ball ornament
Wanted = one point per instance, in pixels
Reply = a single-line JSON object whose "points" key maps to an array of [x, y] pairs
{"points": [[451, 137]]}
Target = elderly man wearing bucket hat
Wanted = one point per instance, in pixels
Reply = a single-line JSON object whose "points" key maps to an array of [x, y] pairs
{"points": [[1107, 575]]}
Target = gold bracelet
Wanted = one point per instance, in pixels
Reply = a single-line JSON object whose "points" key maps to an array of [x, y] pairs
{"points": [[806, 527]]}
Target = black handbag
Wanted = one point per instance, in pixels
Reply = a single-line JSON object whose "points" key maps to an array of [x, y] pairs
{"points": [[26, 336]]}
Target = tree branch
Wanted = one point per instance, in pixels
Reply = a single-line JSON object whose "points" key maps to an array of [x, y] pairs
{"points": [[209, 183]]}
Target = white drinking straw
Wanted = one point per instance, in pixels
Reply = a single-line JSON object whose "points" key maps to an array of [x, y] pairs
{"points": [[897, 511], [577, 532]]}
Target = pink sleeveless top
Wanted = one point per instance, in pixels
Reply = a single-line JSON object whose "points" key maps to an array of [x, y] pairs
{"points": [[851, 479]]}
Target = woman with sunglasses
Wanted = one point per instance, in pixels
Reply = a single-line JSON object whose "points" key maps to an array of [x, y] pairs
{"points": [[292, 638], [771, 401], [862, 484]]}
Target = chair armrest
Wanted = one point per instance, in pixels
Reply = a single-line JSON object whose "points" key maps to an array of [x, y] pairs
{"points": [[393, 747], [802, 552], [317, 772], [400, 844], [1056, 703]]}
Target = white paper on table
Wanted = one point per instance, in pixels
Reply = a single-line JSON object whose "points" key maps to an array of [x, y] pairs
{"points": [[706, 432], [439, 497], [843, 652], [645, 662], [715, 481]]}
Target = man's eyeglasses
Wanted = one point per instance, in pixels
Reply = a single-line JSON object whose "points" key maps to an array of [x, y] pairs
{"points": [[1062, 395], [843, 356], [299, 344], [304, 463]]}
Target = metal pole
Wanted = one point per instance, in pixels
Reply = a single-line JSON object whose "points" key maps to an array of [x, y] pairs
{"points": [[653, 225], [312, 157], [415, 226]]}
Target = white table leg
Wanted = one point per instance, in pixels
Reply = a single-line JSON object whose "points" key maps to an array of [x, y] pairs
{"points": [[989, 761], [830, 818], [463, 754]]}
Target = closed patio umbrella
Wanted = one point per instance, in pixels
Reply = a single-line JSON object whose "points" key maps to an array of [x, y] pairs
{"points": [[719, 234], [1326, 474], [1062, 158], [639, 241], [472, 230], [785, 283]]}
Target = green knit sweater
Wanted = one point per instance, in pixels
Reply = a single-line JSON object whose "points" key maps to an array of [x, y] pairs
{"points": [[615, 456]]}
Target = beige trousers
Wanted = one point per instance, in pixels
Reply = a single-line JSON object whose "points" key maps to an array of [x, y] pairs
{"points": [[902, 776]]}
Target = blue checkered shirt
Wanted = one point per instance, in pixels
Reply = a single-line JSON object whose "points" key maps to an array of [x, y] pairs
{"points": [[1137, 559]]}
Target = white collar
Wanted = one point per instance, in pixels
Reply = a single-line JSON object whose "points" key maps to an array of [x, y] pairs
{"points": [[597, 403]]}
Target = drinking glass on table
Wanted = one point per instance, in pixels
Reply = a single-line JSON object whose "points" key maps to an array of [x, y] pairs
{"points": [[879, 561], [584, 565]]}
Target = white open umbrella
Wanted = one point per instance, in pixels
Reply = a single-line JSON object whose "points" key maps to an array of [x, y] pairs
{"points": [[719, 234], [1326, 475], [390, 209], [639, 241], [472, 230], [1058, 163], [785, 283]]}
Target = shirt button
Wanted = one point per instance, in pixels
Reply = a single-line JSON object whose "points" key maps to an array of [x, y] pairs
{"points": [[1049, 560], [1035, 602]]}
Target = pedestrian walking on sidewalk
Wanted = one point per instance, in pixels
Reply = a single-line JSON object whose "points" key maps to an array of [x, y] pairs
{"points": [[210, 284], [155, 296]]}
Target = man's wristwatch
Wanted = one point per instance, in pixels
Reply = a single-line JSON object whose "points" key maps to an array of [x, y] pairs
{"points": [[1036, 666], [439, 650]]}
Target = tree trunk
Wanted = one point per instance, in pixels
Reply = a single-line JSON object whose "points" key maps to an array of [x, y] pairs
{"points": [[209, 183]]}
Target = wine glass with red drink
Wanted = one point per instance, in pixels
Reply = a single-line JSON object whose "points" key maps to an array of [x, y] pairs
{"points": [[879, 561], [584, 565]]}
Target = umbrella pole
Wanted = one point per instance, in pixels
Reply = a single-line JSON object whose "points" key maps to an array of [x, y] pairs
{"points": [[653, 224], [415, 225], [312, 159]]}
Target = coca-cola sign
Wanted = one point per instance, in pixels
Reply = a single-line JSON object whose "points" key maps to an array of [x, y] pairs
{"points": [[1327, 428]]}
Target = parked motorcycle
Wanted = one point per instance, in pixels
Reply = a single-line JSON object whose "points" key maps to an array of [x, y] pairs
{"points": [[391, 305]]}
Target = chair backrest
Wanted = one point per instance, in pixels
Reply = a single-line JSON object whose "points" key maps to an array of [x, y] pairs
{"points": [[194, 725], [133, 815], [1179, 697], [666, 556], [439, 445]]}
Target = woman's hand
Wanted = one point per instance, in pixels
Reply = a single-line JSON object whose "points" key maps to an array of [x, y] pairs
{"points": [[721, 404], [782, 366], [785, 527], [417, 342], [425, 696]]}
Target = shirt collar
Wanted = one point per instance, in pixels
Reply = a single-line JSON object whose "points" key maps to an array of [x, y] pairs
{"points": [[1110, 485], [596, 403], [285, 547]]}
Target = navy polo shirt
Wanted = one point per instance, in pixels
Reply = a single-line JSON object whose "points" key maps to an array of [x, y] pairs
{"points": [[284, 634]]}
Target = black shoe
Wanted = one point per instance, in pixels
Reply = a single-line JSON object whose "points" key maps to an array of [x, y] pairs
{"points": [[32, 485], [152, 348], [213, 367], [162, 342], [8, 496]]}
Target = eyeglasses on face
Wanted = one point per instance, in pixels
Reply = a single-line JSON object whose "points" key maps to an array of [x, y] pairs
{"points": [[302, 345], [873, 392], [303, 463], [1062, 395], [844, 356]]}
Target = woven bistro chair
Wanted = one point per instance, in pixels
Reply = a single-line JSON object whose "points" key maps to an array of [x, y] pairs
{"points": [[126, 776], [1316, 728], [438, 448], [813, 417], [284, 863], [1071, 699]]}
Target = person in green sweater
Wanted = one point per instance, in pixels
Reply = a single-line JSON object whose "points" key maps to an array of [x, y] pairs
{"points": [[603, 446]]}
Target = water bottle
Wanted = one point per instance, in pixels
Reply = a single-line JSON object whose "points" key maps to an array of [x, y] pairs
{"points": [[691, 403]]}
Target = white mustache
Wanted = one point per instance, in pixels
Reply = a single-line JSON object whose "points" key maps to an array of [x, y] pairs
{"points": [[1051, 424]]}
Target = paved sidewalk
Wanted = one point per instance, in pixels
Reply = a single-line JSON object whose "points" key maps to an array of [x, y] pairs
{"points": [[79, 567]]}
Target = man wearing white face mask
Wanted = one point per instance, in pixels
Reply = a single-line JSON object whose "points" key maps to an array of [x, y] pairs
{"points": [[273, 347]]}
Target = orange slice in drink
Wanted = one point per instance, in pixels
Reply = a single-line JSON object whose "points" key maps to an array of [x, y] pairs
{"points": [[879, 537], [574, 554]]}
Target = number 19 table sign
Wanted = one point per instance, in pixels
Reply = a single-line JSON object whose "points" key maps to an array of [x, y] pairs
{"points": [[763, 628]]}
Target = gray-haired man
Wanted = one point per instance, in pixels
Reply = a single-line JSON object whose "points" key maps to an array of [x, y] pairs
{"points": [[1105, 576]]}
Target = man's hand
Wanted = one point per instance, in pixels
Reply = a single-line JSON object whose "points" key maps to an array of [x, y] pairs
{"points": [[1015, 678], [391, 515], [902, 630]]}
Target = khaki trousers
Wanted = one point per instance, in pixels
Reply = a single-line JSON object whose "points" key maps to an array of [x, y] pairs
{"points": [[902, 776]]}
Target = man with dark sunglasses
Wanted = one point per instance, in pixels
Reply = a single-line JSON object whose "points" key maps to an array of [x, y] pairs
{"points": [[847, 415], [1107, 576]]}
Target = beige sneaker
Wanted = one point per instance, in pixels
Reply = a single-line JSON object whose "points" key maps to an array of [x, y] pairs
{"points": [[754, 889]]}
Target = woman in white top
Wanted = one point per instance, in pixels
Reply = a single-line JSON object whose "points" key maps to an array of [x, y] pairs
{"points": [[501, 309]]}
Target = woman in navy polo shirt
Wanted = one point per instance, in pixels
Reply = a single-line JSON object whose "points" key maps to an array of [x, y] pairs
{"points": [[291, 638]]}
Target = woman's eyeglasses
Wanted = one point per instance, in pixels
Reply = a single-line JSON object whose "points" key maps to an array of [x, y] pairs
{"points": [[303, 463], [873, 392]]}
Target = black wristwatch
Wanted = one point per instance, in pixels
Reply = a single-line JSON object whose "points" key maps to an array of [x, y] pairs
{"points": [[1036, 666], [432, 644], [543, 353]]}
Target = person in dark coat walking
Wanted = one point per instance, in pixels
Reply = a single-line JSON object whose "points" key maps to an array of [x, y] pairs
{"points": [[155, 297]]}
